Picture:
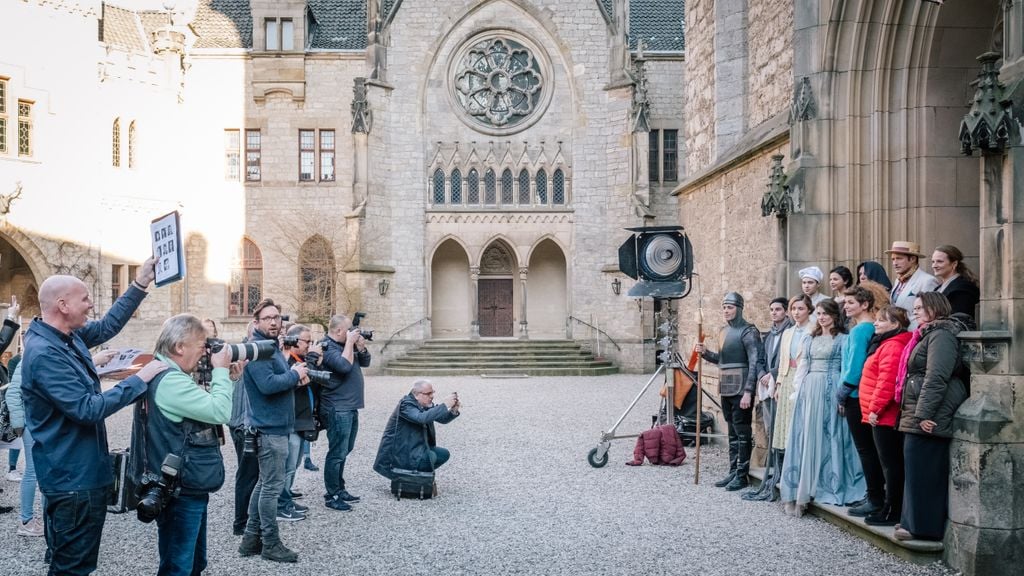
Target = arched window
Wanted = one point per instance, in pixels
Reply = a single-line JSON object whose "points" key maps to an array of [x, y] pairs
{"points": [[490, 187], [316, 277], [473, 187], [456, 186], [438, 186], [506, 187], [542, 187], [558, 187], [115, 141], [131, 145], [246, 289], [524, 187]]}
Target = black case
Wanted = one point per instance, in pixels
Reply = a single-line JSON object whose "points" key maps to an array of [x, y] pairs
{"points": [[412, 484]]}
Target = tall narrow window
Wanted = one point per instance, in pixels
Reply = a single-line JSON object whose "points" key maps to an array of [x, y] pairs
{"points": [[24, 128], [653, 156], [246, 287], [438, 186], [326, 155], [670, 155], [3, 115], [252, 155], [116, 270], [542, 187], [231, 155], [490, 187], [558, 187], [131, 145], [456, 186], [507, 195], [524, 187], [273, 34], [115, 143], [287, 34], [473, 187], [307, 155], [316, 275]]}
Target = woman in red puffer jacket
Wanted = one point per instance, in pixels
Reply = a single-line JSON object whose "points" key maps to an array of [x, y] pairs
{"points": [[881, 410]]}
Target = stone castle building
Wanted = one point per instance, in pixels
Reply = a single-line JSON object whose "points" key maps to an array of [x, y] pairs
{"points": [[456, 169]]}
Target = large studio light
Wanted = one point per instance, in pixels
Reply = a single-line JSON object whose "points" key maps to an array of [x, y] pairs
{"points": [[660, 258]]}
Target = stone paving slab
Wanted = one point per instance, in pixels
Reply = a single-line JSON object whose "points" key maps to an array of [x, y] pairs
{"points": [[518, 497]]}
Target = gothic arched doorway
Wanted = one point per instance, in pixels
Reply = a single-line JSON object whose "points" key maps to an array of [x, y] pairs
{"points": [[18, 280], [495, 298], [450, 292], [546, 307]]}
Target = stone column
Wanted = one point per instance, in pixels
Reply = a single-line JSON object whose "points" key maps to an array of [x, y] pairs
{"points": [[730, 73], [474, 325], [523, 333]]}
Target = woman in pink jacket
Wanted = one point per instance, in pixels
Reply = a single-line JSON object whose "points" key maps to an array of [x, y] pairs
{"points": [[881, 410]]}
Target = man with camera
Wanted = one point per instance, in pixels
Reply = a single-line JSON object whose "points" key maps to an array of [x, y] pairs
{"points": [[177, 444], [270, 388], [341, 398], [299, 348], [410, 440], [65, 408]]}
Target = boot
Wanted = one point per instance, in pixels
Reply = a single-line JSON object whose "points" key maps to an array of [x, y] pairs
{"points": [[251, 545], [888, 516], [277, 552], [867, 508], [738, 483], [742, 467], [725, 481]]}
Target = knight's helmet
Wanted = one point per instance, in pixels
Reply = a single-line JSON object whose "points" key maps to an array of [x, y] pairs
{"points": [[736, 299]]}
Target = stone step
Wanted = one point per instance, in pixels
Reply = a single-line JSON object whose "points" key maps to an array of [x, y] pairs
{"points": [[500, 357], [510, 373], [517, 356], [405, 362]]}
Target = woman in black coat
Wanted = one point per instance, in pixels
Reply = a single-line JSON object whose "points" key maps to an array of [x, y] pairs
{"points": [[956, 281], [930, 393]]}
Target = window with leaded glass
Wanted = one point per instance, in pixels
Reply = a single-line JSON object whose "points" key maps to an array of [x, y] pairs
{"points": [[3, 115], [558, 187], [253, 155], [115, 143], [524, 187], [542, 187], [24, 128], [490, 187], [456, 186], [327, 155], [473, 187], [653, 156], [438, 189], [116, 270], [231, 157], [131, 145], [670, 156], [246, 287], [507, 195], [307, 155], [317, 275]]}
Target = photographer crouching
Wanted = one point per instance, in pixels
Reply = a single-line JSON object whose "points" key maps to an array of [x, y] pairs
{"points": [[177, 444]]}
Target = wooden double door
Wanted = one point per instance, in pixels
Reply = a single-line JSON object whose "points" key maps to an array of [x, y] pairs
{"points": [[494, 307]]}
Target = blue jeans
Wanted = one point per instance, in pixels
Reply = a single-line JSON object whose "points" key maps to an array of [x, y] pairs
{"points": [[75, 522], [435, 458], [263, 504], [342, 427], [291, 464], [28, 480], [181, 534]]}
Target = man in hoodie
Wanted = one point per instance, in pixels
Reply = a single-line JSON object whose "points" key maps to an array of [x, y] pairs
{"points": [[740, 363]]}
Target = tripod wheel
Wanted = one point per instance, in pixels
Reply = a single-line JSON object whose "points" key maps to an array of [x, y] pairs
{"points": [[594, 460]]}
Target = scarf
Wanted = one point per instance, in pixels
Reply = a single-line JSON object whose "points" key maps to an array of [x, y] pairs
{"points": [[877, 339], [904, 358]]}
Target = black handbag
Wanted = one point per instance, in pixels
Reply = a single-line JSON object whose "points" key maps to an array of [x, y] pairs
{"points": [[412, 484]]}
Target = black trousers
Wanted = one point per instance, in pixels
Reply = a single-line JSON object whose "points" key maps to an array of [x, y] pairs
{"points": [[926, 487], [864, 440], [246, 476], [741, 432], [889, 445]]}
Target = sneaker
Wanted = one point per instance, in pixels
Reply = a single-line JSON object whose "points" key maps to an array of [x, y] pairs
{"points": [[13, 476], [308, 465], [292, 515], [867, 508], [338, 504], [251, 545], [278, 552], [297, 495], [346, 497], [300, 508], [31, 528]]}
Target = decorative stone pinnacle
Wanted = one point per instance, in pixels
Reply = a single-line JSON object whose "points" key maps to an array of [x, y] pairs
{"points": [[776, 198], [990, 124]]}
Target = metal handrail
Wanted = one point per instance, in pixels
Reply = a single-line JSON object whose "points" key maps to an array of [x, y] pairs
{"points": [[588, 324], [400, 330]]}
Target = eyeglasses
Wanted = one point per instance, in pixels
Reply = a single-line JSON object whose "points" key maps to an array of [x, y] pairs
{"points": [[270, 319], [430, 394]]}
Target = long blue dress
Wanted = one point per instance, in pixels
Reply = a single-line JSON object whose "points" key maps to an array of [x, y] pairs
{"points": [[821, 459]]}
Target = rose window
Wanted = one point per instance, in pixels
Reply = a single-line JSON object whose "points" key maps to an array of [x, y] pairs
{"points": [[499, 83]]}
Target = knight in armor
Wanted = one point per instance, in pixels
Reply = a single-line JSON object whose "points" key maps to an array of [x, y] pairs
{"points": [[740, 364]]}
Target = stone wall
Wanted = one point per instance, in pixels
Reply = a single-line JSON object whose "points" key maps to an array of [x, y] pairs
{"points": [[699, 111], [770, 62]]}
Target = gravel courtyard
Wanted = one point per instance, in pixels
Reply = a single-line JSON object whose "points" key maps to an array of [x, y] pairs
{"points": [[517, 497]]}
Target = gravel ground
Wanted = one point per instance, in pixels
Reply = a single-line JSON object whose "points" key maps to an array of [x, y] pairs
{"points": [[517, 497]]}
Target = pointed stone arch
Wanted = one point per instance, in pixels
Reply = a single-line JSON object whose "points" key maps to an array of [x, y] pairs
{"points": [[318, 276], [548, 282], [451, 298], [22, 269]]}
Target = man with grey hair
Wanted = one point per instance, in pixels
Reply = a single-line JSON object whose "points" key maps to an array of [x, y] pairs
{"points": [[186, 423], [410, 440], [65, 408], [341, 398]]}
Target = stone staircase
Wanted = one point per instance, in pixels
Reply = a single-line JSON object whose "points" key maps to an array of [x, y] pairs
{"points": [[499, 358]]}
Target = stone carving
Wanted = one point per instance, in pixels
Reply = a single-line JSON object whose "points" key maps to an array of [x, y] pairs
{"points": [[362, 116], [777, 199], [498, 82], [803, 107], [990, 124], [496, 260], [641, 113]]}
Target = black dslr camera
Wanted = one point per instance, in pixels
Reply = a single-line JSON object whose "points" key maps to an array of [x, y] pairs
{"points": [[366, 334], [155, 491]]}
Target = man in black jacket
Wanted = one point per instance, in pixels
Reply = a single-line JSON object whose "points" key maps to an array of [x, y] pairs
{"points": [[341, 398], [299, 348], [410, 441]]}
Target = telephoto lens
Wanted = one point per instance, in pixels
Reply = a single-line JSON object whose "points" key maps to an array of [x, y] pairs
{"points": [[259, 350]]}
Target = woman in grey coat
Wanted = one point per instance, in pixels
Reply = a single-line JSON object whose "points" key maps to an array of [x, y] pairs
{"points": [[931, 390]]}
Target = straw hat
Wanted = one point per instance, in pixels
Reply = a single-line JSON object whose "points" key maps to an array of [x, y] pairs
{"points": [[905, 247]]}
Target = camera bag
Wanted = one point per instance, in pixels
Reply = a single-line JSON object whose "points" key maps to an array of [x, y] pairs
{"points": [[122, 497], [412, 484]]}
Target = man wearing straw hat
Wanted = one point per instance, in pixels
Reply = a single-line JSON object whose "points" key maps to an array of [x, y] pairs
{"points": [[910, 280]]}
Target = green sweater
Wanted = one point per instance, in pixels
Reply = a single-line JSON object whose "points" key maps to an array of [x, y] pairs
{"points": [[179, 397]]}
